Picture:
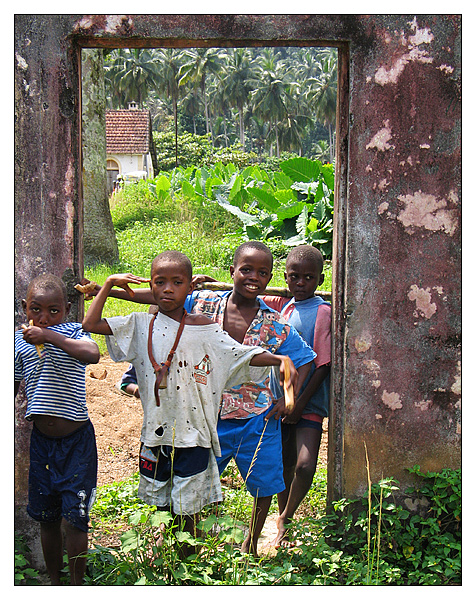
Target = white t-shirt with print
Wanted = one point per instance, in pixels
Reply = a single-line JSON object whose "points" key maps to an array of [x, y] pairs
{"points": [[206, 361]]}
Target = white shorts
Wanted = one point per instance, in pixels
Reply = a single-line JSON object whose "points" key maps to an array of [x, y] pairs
{"points": [[183, 481]]}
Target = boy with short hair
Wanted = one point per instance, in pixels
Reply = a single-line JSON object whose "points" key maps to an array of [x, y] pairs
{"points": [[179, 433], [302, 429], [246, 429], [51, 356]]}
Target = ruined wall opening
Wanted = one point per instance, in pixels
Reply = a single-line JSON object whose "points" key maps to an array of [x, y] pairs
{"points": [[335, 421]]}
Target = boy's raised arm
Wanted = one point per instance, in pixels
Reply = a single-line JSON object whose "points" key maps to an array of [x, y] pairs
{"points": [[93, 320]]}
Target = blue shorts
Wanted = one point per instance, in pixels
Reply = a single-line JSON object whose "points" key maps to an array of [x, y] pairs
{"points": [[63, 475], [239, 439]]}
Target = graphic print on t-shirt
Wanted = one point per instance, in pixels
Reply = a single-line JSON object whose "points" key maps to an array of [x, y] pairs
{"points": [[202, 370]]}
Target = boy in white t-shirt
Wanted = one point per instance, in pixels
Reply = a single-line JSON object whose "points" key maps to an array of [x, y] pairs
{"points": [[195, 360]]}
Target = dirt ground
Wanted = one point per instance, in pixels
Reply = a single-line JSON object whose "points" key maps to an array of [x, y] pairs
{"points": [[117, 420]]}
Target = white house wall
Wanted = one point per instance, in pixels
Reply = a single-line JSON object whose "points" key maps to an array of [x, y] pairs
{"points": [[132, 162]]}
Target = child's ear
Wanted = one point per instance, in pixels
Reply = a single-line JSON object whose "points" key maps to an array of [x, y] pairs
{"points": [[285, 277], [321, 279], [232, 270], [23, 304], [67, 308]]}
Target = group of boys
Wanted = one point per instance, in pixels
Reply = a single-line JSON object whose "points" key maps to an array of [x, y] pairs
{"points": [[202, 362]]}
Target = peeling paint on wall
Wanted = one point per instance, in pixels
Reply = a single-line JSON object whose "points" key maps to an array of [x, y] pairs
{"points": [[424, 210], [115, 22], [381, 138], [392, 400], [422, 297], [21, 62], [374, 369], [456, 387], [423, 405], [415, 53], [363, 343]]}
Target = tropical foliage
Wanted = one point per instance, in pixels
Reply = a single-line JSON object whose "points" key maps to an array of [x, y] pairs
{"points": [[294, 204], [266, 99]]}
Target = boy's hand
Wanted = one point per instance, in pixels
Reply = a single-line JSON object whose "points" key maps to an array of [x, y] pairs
{"points": [[279, 410], [294, 416], [199, 278], [123, 280], [33, 334]]}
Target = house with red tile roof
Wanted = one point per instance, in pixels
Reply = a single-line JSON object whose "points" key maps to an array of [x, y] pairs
{"points": [[129, 145]]}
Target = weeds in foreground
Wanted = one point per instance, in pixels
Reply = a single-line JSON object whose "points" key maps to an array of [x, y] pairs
{"points": [[419, 548], [366, 541]]}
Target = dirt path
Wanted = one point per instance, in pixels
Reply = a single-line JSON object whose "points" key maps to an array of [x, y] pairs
{"points": [[117, 420]]}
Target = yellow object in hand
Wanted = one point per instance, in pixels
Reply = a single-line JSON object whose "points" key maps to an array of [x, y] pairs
{"points": [[288, 391], [39, 347]]}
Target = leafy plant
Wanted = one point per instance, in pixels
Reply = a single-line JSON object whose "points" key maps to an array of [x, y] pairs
{"points": [[394, 544], [24, 573], [295, 204]]}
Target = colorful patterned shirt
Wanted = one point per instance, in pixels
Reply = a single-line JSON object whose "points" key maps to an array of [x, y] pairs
{"points": [[268, 330]]}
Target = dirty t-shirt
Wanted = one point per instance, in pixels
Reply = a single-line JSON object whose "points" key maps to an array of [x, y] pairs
{"points": [[207, 360]]}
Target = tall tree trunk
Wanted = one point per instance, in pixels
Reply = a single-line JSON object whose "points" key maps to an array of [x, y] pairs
{"points": [[99, 238], [176, 134], [242, 129]]}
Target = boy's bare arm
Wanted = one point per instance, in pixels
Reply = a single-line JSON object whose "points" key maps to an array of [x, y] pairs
{"points": [[140, 296], [93, 320], [84, 350]]}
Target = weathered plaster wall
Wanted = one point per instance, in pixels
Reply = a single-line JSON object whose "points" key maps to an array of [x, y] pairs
{"points": [[397, 272], [403, 344]]}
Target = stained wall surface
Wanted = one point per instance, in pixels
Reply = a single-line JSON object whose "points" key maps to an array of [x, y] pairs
{"points": [[397, 263]]}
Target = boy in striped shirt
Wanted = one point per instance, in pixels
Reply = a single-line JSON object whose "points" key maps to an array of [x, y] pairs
{"points": [[51, 357]]}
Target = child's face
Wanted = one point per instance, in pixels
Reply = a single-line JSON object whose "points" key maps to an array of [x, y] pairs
{"points": [[170, 284], [45, 307], [302, 278], [252, 273]]}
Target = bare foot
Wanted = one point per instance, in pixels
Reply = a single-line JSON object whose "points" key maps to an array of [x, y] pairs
{"points": [[282, 539]]}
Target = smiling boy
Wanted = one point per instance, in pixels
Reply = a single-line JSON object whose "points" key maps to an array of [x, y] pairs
{"points": [[180, 410], [246, 429], [63, 456]]}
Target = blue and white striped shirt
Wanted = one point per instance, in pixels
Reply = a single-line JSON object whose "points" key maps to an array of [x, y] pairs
{"points": [[55, 384]]}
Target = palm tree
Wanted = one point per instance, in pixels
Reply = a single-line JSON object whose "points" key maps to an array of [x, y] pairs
{"points": [[219, 106], [200, 62], [272, 93], [191, 106], [167, 78], [129, 75], [238, 86], [322, 94]]}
